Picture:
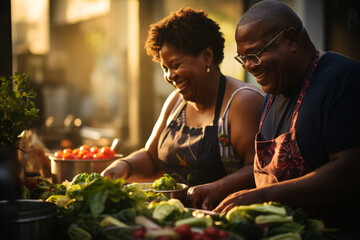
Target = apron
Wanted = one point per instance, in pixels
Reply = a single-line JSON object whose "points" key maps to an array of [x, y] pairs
{"points": [[191, 155], [280, 159]]}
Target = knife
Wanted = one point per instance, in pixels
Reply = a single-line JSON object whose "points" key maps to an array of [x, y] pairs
{"points": [[207, 212]]}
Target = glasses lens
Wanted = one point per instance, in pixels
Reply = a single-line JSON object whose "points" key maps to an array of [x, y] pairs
{"points": [[253, 59]]}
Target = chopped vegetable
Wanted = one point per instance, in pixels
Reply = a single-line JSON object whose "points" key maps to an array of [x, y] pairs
{"points": [[80, 178], [285, 236], [109, 221], [94, 176], [165, 183], [146, 223], [77, 233], [162, 232], [261, 219], [205, 221]]}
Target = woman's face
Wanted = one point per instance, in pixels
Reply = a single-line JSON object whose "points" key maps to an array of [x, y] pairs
{"points": [[274, 71], [183, 71]]}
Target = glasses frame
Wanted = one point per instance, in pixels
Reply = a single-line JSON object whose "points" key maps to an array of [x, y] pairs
{"points": [[256, 57]]}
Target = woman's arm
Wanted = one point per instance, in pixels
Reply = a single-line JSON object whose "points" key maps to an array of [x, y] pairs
{"points": [[144, 164]]}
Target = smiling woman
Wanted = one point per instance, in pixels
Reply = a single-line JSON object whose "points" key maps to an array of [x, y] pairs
{"points": [[192, 140]]}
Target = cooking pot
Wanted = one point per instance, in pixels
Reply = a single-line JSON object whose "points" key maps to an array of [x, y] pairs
{"points": [[67, 169], [28, 220]]}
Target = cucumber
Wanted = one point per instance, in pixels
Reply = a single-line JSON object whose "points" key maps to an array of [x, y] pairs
{"points": [[205, 221]]}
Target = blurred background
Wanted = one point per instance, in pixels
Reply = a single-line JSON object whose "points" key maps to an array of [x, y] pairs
{"points": [[94, 80]]}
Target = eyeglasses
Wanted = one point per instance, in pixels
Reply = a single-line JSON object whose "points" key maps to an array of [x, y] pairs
{"points": [[254, 59]]}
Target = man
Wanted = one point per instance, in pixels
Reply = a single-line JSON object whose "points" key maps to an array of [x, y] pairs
{"points": [[308, 146]]}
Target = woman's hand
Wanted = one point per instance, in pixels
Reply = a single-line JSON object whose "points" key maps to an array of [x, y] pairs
{"points": [[203, 196], [244, 197], [117, 169]]}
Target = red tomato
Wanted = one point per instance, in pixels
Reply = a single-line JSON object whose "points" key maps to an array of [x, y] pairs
{"points": [[94, 150], [223, 234], [98, 156], [140, 233], [164, 238], [67, 150], [212, 232], [108, 153], [87, 156], [82, 153], [58, 154], [196, 236], [75, 151], [85, 148], [184, 231], [67, 156]]}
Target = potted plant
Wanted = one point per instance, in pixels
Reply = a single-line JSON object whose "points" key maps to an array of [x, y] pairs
{"points": [[17, 111]]}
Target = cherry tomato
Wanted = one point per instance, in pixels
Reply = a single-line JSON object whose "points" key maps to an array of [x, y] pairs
{"points": [[82, 153], [75, 151], [212, 232], [67, 150], [140, 233], [184, 231], [223, 234], [164, 238], [58, 154], [196, 236], [87, 156], [67, 156], [98, 156], [94, 150], [108, 153], [85, 148]]}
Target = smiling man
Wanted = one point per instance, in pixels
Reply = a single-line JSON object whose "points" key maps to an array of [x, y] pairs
{"points": [[308, 145]]}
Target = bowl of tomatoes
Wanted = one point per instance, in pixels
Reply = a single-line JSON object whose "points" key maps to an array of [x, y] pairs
{"points": [[68, 162]]}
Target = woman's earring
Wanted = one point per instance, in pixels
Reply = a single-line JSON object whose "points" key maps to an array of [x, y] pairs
{"points": [[207, 69]]}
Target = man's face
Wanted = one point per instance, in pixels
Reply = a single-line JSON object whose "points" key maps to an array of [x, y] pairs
{"points": [[273, 70]]}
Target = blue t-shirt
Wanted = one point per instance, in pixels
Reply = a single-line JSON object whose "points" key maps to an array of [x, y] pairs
{"points": [[329, 116]]}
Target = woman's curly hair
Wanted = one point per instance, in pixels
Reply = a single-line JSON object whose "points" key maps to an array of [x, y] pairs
{"points": [[188, 30]]}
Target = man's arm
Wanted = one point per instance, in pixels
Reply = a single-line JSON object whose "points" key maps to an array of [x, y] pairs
{"points": [[333, 184]]}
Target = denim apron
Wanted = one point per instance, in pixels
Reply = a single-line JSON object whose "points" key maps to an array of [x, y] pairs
{"points": [[280, 159], [191, 155]]}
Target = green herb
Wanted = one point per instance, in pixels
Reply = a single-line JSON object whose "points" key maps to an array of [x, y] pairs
{"points": [[17, 109], [165, 183]]}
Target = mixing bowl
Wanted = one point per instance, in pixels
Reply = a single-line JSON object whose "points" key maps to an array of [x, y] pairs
{"points": [[179, 193]]}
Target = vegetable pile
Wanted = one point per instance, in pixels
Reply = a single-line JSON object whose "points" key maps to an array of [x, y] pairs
{"points": [[95, 207]]}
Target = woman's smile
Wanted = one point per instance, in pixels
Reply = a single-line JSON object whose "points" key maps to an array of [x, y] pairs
{"points": [[180, 86]]}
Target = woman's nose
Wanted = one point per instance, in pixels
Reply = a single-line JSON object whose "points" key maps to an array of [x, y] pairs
{"points": [[170, 76]]}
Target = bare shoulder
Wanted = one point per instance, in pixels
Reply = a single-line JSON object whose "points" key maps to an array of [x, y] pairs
{"points": [[245, 92], [171, 102]]}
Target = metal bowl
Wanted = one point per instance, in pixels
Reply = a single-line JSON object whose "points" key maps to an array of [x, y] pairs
{"points": [[28, 219], [67, 169], [177, 194]]}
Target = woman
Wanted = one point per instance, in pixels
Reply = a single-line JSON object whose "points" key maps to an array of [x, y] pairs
{"points": [[205, 134]]}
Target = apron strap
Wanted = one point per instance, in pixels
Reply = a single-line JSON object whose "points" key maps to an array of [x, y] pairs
{"points": [[180, 104], [307, 80], [220, 97]]}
